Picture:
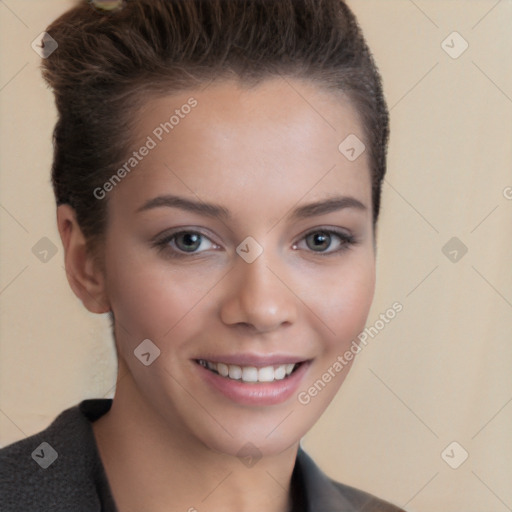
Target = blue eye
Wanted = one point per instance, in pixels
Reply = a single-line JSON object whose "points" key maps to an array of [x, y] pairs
{"points": [[182, 243]]}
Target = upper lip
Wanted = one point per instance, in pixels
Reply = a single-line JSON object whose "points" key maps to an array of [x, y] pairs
{"points": [[257, 360]]}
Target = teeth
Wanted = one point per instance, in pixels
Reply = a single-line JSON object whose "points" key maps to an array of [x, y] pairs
{"points": [[267, 374], [223, 369], [249, 373], [235, 372], [280, 372]]}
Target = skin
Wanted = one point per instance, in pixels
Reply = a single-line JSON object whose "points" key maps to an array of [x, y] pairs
{"points": [[169, 439]]}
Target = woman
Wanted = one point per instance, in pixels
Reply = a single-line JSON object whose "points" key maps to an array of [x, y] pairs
{"points": [[217, 170]]}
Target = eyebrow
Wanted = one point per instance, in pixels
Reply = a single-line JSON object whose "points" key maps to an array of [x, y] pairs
{"points": [[323, 207]]}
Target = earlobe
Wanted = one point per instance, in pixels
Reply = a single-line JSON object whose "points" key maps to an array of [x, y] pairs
{"points": [[84, 276]]}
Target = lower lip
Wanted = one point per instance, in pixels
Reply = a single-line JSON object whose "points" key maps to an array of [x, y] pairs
{"points": [[255, 393]]}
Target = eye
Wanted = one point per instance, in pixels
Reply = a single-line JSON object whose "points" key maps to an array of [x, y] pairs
{"points": [[188, 242], [321, 239], [181, 243]]}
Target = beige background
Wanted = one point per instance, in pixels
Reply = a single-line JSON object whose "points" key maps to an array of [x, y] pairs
{"points": [[439, 372]]}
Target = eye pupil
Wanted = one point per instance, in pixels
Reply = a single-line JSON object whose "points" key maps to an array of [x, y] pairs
{"points": [[324, 239], [190, 238]]}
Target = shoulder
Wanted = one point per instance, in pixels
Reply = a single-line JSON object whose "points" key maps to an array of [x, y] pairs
{"points": [[362, 501], [55, 469], [324, 493]]}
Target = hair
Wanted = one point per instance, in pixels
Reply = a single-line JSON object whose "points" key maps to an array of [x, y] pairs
{"points": [[109, 62]]}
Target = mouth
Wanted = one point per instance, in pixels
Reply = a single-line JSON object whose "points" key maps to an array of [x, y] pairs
{"points": [[251, 374]]}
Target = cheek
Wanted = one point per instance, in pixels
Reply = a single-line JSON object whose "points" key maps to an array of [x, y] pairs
{"points": [[150, 299], [344, 304], [344, 301]]}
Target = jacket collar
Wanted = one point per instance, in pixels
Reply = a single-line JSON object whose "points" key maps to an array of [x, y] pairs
{"points": [[312, 489], [319, 492]]}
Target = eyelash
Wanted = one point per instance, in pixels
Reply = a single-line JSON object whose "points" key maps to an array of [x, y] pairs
{"points": [[162, 242]]}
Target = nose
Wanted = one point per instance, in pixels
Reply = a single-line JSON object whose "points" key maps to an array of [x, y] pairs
{"points": [[259, 297]]}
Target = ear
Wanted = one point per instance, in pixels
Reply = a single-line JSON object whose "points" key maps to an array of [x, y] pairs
{"points": [[85, 277]]}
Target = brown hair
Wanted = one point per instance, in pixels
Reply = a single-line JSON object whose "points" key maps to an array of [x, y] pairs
{"points": [[107, 62]]}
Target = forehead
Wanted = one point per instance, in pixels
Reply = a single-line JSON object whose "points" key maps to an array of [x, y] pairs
{"points": [[279, 139]]}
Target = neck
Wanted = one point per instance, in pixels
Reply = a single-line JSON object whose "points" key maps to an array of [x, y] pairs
{"points": [[151, 464]]}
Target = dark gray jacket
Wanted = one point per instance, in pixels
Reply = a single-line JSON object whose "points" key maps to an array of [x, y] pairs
{"points": [[59, 470]]}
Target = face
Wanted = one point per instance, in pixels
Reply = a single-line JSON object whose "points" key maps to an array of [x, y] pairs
{"points": [[254, 285]]}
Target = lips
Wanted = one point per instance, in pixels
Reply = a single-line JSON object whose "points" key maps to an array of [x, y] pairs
{"points": [[250, 373], [242, 383]]}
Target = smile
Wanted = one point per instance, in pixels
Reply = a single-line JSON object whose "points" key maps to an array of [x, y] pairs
{"points": [[250, 373]]}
